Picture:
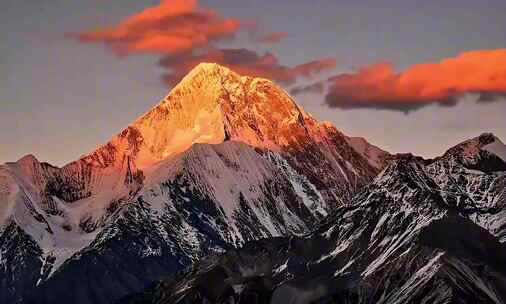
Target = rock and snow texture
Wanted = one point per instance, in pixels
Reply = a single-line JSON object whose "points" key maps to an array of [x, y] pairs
{"points": [[404, 239], [476, 180], [374, 155], [222, 160]]}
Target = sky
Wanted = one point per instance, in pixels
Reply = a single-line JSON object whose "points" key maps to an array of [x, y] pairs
{"points": [[409, 76]]}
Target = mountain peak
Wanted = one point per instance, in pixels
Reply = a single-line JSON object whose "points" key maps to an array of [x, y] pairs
{"points": [[209, 68], [207, 74], [219, 74], [471, 147], [210, 104], [28, 159], [486, 138], [485, 152], [213, 104]]}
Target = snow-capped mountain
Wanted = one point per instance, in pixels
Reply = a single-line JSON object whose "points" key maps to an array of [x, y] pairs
{"points": [[422, 232], [474, 173], [222, 160]]}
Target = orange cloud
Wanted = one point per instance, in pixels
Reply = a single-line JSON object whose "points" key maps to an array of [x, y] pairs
{"points": [[172, 26], [243, 61], [185, 35], [275, 37], [379, 86]]}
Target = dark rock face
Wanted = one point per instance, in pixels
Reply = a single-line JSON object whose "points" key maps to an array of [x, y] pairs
{"points": [[19, 255]]}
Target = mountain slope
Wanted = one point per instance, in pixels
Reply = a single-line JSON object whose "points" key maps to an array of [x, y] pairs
{"points": [[181, 219], [474, 172], [408, 237], [222, 160], [401, 240]]}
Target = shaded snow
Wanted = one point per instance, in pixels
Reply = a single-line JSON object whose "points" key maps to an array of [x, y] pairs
{"points": [[497, 148], [374, 155]]}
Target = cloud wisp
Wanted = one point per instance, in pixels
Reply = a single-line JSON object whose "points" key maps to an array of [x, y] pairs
{"points": [[315, 88], [378, 86]]}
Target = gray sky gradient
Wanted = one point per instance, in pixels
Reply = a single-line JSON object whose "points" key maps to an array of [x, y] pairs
{"points": [[60, 99]]}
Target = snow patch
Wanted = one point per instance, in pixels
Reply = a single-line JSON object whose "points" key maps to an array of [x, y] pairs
{"points": [[497, 148]]}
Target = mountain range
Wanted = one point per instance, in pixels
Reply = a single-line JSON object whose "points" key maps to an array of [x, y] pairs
{"points": [[227, 191]]}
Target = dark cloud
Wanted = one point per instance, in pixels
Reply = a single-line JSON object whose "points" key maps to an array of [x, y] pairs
{"points": [[486, 97], [335, 100], [244, 62], [317, 87]]}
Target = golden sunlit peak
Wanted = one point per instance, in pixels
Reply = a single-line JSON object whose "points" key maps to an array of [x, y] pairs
{"points": [[209, 68], [209, 105], [204, 74]]}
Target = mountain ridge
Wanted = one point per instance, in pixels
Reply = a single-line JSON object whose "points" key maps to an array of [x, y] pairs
{"points": [[223, 159], [407, 237]]}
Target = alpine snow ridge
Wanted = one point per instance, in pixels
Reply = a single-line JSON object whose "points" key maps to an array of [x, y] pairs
{"points": [[424, 231], [228, 192], [222, 160]]}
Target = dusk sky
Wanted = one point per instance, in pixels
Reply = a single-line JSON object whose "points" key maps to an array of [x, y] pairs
{"points": [[409, 76]]}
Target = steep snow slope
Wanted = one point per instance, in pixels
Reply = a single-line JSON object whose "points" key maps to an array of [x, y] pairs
{"points": [[210, 198], [497, 148]]}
